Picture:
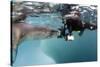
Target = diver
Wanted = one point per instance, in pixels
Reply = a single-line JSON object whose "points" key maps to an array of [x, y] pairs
{"points": [[72, 22]]}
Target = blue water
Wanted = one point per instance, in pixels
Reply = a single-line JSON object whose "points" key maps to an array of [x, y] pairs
{"points": [[54, 50], [46, 19]]}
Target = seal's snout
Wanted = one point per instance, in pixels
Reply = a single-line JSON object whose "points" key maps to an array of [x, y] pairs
{"points": [[53, 32]]}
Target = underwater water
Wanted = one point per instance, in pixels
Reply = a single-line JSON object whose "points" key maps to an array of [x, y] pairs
{"points": [[56, 50]]}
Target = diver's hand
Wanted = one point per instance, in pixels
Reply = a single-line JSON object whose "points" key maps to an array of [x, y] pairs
{"points": [[69, 38]]}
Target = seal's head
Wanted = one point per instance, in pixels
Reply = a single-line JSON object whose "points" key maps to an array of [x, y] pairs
{"points": [[53, 33]]}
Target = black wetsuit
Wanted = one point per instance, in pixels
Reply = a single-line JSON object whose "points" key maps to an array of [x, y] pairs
{"points": [[74, 24]]}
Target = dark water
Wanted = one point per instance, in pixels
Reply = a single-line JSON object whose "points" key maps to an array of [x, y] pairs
{"points": [[54, 50]]}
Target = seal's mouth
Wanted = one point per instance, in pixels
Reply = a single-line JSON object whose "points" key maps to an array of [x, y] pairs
{"points": [[53, 33]]}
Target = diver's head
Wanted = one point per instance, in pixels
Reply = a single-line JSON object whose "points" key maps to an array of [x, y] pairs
{"points": [[90, 26], [93, 26]]}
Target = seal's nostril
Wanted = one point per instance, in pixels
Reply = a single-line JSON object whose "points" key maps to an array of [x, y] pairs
{"points": [[53, 31]]}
